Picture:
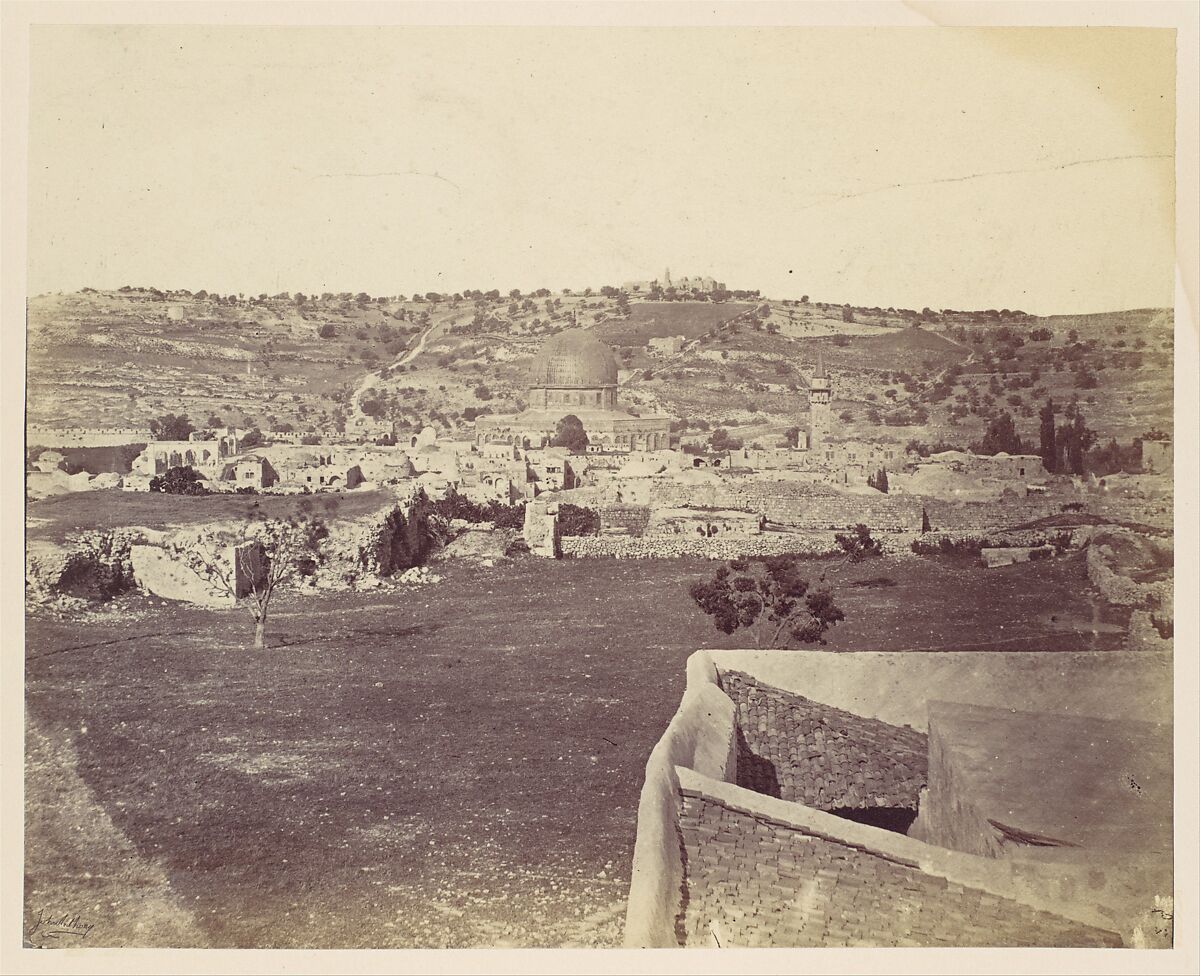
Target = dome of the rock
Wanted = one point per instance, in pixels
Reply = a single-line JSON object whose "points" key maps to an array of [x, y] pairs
{"points": [[573, 360]]}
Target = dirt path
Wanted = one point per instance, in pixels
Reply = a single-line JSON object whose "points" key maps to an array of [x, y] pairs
{"points": [[403, 359]]}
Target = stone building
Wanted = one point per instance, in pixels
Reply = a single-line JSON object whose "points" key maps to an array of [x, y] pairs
{"points": [[666, 345], [575, 373], [206, 456]]}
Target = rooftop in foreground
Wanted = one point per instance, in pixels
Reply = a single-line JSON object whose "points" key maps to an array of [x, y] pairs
{"points": [[804, 798]]}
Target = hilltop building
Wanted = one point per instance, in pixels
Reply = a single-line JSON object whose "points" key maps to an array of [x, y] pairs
{"points": [[666, 345], [702, 283], [575, 373]]}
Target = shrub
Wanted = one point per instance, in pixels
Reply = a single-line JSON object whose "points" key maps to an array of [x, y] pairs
{"points": [[770, 599], [455, 506], [577, 520], [858, 545], [183, 480], [969, 546]]}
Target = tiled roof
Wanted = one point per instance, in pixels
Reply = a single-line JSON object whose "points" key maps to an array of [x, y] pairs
{"points": [[804, 751]]}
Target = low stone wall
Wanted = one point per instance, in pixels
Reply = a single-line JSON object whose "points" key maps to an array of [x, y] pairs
{"points": [[700, 736], [1070, 535], [776, 543], [814, 506], [680, 546]]}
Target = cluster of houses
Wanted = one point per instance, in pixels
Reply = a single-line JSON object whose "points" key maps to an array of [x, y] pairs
{"points": [[628, 458]]}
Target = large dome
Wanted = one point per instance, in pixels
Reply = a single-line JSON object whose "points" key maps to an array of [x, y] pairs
{"points": [[573, 360]]}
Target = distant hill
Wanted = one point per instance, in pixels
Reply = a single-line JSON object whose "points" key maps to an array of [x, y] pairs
{"points": [[121, 358]]}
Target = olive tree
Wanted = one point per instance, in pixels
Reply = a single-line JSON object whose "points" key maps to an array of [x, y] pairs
{"points": [[769, 599]]}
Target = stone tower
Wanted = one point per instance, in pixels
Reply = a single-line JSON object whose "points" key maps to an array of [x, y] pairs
{"points": [[819, 394]]}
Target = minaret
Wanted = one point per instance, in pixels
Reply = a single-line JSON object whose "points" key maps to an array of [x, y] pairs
{"points": [[819, 395]]}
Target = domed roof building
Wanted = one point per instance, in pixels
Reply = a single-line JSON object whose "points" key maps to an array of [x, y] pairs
{"points": [[573, 360], [575, 373]]}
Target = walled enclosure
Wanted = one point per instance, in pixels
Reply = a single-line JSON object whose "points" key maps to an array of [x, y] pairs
{"points": [[715, 863]]}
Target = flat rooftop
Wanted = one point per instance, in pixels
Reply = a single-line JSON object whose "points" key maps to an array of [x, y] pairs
{"points": [[1101, 784]]}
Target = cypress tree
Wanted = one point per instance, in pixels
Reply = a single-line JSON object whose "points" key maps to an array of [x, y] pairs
{"points": [[1049, 449]]}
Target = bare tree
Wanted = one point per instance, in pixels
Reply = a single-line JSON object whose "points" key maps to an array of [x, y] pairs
{"points": [[266, 554]]}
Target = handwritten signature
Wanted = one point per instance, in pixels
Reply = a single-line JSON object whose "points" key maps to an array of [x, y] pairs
{"points": [[50, 927]]}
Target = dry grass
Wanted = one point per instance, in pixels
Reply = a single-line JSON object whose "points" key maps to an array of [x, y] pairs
{"points": [[455, 765]]}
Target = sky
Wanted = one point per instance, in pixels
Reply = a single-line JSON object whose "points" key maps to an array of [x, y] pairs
{"points": [[1011, 168]]}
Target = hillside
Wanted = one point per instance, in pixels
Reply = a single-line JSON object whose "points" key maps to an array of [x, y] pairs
{"points": [[649, 320], [121, 358]]}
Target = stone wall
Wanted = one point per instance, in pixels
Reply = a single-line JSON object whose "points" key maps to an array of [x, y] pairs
{"points": [[632, 519], [699, 736], [38, 436], [756, 881], [807, 752], [680, 546], [813, 543], [814, 506]]}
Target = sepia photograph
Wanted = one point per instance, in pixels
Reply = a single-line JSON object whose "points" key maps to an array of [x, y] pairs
{"points": [[641, 485]]}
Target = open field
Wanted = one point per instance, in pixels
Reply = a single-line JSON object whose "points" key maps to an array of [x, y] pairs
{"points": [[648, 320], [454, 765], [59, 516]]}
